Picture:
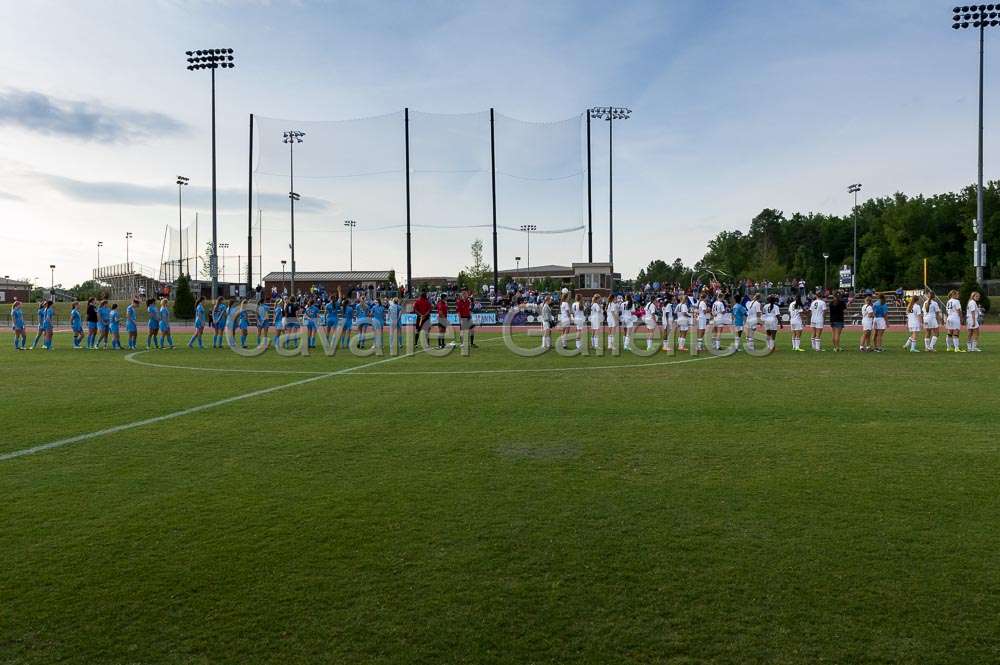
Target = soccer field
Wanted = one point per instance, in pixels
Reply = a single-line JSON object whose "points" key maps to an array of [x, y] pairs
{"points": [[796, 508]]}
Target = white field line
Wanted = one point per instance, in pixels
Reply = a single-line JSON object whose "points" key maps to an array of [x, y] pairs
{"points": [[540, 369], [184, 412]]}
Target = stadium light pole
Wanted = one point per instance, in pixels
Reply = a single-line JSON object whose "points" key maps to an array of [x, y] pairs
{"points": [[283, 264], [223, 246], [99, 245], [52, 284], [128, 236], [528, 228], [181, 183], [291, 137], [611, 113], [854, 189], [350, 224], [212, 59], [981, 17], [826, 259]]}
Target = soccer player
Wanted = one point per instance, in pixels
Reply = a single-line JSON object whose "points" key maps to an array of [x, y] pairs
{"points": [[76, 323], [463, 305], [739, 320], [103, 323], [795, 323], [546, 318], [421, 307], [91, 323], [564, 317], [649, 319], [628, 319], [263, 322], [330, 315], [682, 314], [345, 341], [17, 323], [881, 323], [817, 309], [753, 319], [48, 315], [396, 322], [667, 318], [867, 325], [837, 308], [312, 319], [612, 314], [932, 322], [703, 309], [771, 315], [219, 314], [972, 311], [718, 320], [199, 324], [579, 321], [377, 314], [40, 314], [953, 323], [914, 314], [153, 327], [596, 319], [165, 336], [114, 326], [279, 320], [131, 323]]}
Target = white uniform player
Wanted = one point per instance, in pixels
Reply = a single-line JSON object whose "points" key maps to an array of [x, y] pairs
{"points": [[817, 309], [564, 321], [953, 322], [612, 314], [753, 320], [972, 313], [546, 318], [914, 323], [718, 321], [667, 319], [795, 323], [682, 315], [650, 320], [579, 321], [771, 316], [867, 325], [628, 321], [596, 319], [932, 321]]}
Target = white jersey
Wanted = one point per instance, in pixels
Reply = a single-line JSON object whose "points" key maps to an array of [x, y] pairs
{"points": [[753, 312], [914, 316], [867, 317], [667, 315], [578, 314], [972, 314], [718, 309], [626, 312], [931, 312], [954, 309], [702, 314], [564, 319], [596, 315], [682, 313], [650, 318], [771, 314], [795, 315], [613, 314], [818, 307], [546, 315]]}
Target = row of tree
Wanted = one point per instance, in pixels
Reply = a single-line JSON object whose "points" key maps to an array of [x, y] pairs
{"points": [[895, 235]]}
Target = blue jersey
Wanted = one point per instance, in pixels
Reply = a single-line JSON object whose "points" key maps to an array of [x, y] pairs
{"points": [[103, 315], [348, 317], [331, 314], [113, 320], [263, 312], [41, 318], [395, 314], [311, 313], [154, 322], [199, 315], [75, 321], [130, 320], [219, 315], [377, 312], [164, 318], [881, 310], [47, 316], [739, 314], [244, 320], [17, 316], [279, 316]]}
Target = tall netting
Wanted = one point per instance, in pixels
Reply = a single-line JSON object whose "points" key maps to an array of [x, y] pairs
{"points": [[356, 170], [179, 253]]}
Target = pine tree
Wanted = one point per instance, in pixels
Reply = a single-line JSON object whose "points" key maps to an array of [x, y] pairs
{"points": [[183, 298]]}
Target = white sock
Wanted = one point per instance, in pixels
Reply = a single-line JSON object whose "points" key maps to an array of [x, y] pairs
{"points": [[933, 342]]}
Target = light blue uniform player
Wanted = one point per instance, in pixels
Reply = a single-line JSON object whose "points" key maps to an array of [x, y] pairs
{"points": [[263, 321], [76, 323], [396, 322], [739, 320], [47, 325], [312, 320], [345, 341], [17, 323], [243, 321], [154, 325], [114, 325], [331, 315], [41, 324], [165, 335], [219, 316], [199, 325], [131, 325], [279, 320], [103, 323], [377, 314]]}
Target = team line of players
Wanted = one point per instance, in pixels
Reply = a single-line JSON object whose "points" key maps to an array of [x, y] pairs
{"points": [[720, 314]]}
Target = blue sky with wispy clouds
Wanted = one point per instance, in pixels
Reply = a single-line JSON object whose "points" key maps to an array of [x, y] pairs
{"points": [[737, 106]]}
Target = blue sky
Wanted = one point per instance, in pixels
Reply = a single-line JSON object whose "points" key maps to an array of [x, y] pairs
{"points": [[737, 106]]}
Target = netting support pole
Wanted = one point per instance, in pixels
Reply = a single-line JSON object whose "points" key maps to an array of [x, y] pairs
{"points": [[611, 213], [250, 213], [493, 177], [590, 207], [409, 262]]}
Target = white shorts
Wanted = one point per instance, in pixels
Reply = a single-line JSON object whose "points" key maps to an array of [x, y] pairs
{"points": [[595, 323], [770, 324], [564, 323], [954, 323], [914, 327], [546, 326], [796, 325], [816, 323], [683, 325], [931, 322], [702, 323], [724, 320], [751, 323], [972, 324], [879, 324], [867, 324]]}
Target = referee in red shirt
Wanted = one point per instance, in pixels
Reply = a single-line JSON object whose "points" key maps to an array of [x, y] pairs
{"points": [[442, 324], [464, 308], [422, 307]]}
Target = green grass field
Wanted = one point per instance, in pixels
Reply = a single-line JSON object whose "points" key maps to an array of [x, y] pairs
{"points": [[798, 508]]}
